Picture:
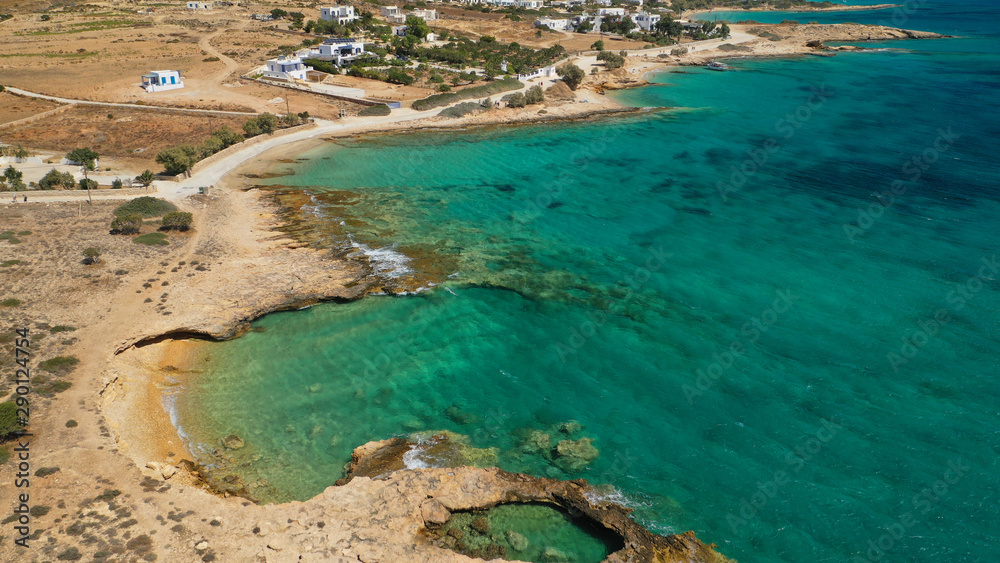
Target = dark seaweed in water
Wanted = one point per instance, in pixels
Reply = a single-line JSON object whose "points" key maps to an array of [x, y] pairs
{"points": [[505, 188]]}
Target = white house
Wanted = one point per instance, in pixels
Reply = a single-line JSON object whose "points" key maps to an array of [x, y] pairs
{"points": [[619, 12], [636, 2], [602, 2], [530, 4], [393, 14], [646, 21], [159, 80], [193, 5], [342, 51], [340, 14], [287, 68], [427, 15], [555, 24]]}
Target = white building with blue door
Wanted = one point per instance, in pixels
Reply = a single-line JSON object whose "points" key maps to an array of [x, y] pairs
{"points": [[159, 80]]}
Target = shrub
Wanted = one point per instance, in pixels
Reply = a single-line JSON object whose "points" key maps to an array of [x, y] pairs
{"points": [[91, 255], [145, 179], [534, 95], [380, 109], [9, 422], [263, 123], [462, 109], [46, 471], [10, 302], [71, 423], [9, 263], [397, 76], [60, 365], [61, 328], [611, 60], [55, 180], [88, 184], [495, 87], [177, 220], [679, 51], [126, 225], [151, 239], [443, 88], [71, 554], [145, 206], [116, 184], [515, 100]]}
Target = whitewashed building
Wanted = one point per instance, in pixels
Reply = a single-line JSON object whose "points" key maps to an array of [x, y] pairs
{"points": [[617, 12], [193, 5], [160, 80], [340, 14], [530, 4], [393, 14], [427, 15], [341, 51], [286, 68], [555, 24], [646, 21]]}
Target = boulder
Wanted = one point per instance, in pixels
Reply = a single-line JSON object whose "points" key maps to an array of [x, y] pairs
{"points": [[233, 442], [434, 513], [574, 455]]}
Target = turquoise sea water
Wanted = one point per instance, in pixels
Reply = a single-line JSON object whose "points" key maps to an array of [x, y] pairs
{"points": [[780, 330]]}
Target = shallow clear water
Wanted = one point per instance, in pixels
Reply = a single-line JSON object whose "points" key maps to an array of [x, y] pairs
{"points": [[750, 342]]}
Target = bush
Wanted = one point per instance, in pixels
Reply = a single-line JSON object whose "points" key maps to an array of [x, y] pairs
{"points": [[55, 180], [263, 123], [380, 109], [88, 184], [611, 60], [679, 51], [146, 206], [92, 255], [151, 239], [515, 100], [461, 110], [116, 184], [145, 179], [397, 76], [9, 423], [177, 220], [443, 88], [59, 365], [126, 224], [495, 87], [178, 160], [534, 95], [10, 302], [46, 471]]}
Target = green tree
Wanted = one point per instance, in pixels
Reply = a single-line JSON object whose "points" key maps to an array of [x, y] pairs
{"points": [[515, 100], [268, 122], [92, 255], [724, 30], [84, 156], [571, 74], [611, 60], [55, 180], [145, 179], [598, 45], [88, 184], [126, 224], [417, 27], [116, 184], [178, 160], [14, 178], [20, 153], [176, 220], [278, 13]]}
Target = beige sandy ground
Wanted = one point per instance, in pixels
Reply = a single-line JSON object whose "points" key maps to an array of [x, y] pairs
{"points": [[230, 269]]}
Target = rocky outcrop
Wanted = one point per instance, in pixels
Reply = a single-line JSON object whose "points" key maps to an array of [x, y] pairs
{"points": [[437, 492]]}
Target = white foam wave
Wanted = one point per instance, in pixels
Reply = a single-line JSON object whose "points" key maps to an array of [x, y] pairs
{"points": [[385, 261]]}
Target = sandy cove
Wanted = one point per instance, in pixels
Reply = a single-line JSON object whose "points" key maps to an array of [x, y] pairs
{"points": [[234, 267]]}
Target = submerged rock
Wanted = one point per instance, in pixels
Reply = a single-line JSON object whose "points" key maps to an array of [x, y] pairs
{"points": [[574, 455], [233, 442], [516, 540]]}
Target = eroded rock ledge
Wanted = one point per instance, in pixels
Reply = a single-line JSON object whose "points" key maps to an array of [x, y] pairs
{"points": [[433, 494]]}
